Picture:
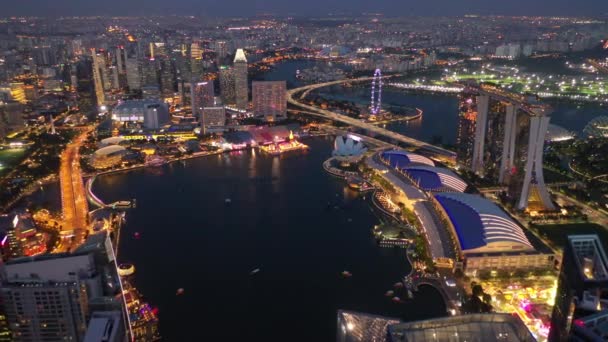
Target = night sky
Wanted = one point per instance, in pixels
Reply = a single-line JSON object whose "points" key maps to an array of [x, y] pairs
{"points": [[302, 8]]}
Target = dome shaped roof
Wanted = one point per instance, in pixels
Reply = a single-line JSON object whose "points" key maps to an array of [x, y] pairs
{"points": [[347, 147], [597, 127]]}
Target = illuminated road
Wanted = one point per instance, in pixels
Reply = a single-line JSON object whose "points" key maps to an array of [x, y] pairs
{"points": [[73, 195], [355, 122]]}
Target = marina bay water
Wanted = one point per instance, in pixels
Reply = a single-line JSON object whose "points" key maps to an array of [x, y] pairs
{"points": [[440, 118], [300, 226]]}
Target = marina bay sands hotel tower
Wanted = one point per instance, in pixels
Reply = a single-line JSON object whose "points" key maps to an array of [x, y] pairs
{"points": [[500, 138]]}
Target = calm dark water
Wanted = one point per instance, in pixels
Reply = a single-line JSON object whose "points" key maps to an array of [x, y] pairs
{"points": [[300, 226]]}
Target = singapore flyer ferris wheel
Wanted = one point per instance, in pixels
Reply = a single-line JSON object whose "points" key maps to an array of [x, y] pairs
{"points": [[376, 96]]}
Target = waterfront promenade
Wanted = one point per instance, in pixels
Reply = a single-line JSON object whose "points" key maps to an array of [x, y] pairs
{"points": [[414, 198]]}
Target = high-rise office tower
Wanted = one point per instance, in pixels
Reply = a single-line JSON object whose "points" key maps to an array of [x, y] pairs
{"points": [[44, 302], [99, 69], [149, 71], [241, 88], [196, 51], [157, 50], [507, 148], [50, 297], [269, 99], [201, 96], [133, 73], [197, 69], [583, 281], [166, 77], [221, 50], [121, 66], [227, 85], [213, 117], [114, 77], [467, 118]]}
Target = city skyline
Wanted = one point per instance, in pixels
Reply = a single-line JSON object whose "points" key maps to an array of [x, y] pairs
{"points": [[392, 8], [283, 171]]}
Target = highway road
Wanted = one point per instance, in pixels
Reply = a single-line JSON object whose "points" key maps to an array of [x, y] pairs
{"points": [[355, 122], [74, 203]]}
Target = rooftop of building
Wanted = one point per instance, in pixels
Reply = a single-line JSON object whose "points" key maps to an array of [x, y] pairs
{"points": [[55, 267], [401, 159], [357, 326], [473, 327], [431, 178], [480, 223], [240, 56], [104, 326], [590, 257], [130, 105]]}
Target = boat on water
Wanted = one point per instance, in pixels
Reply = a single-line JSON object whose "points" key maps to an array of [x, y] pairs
{"points": [[389, 293], [396, 299], [254, 271]]}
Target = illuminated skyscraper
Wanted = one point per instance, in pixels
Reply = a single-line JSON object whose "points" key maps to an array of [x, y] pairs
{"points": [[201, 95], [99, 80], [467, 118], [227, 85], [269, 99], [507, 147], [241, 88]]}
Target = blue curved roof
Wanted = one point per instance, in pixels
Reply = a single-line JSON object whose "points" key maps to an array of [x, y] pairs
{"points": [[401, 159], [479, 222], [435, 178]]}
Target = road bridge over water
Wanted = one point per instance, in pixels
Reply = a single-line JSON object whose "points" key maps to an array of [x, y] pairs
{"points": [[312, 110]]}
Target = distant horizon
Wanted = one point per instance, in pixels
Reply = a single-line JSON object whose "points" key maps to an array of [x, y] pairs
{"points": [[305, 16], [310, 8]]}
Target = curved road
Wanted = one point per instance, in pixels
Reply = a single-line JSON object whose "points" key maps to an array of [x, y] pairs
{"points": [[355, 122]]}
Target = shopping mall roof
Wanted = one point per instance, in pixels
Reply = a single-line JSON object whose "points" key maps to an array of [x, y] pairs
{"points": [[430, 178], [481, 225], [401, 159]]}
